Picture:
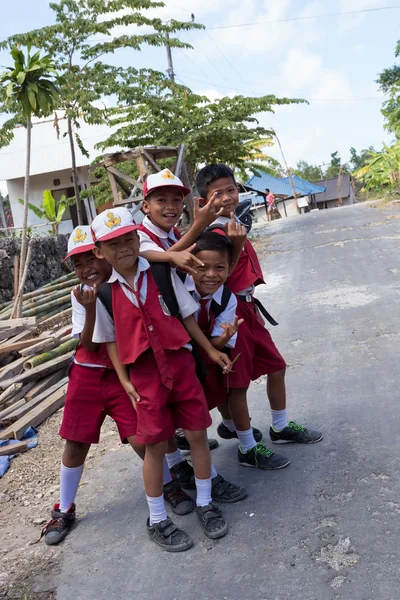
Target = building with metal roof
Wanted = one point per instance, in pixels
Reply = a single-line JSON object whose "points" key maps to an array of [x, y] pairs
{"points": [[281, 187], [335, 189]]}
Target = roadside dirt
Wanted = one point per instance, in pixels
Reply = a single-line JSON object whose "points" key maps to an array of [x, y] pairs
{"points": [[27, 493]]}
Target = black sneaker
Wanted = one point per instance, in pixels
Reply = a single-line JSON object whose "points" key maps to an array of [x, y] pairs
{"points": [[295, 433], [60, 525], [223, 491], [183, 444], [183, 473], [167, 535], [180, 502], [261, 457], [212, 521], [227, 434]]}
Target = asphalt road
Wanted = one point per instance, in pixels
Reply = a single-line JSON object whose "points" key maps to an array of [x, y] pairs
{"points": [[326, 527]]}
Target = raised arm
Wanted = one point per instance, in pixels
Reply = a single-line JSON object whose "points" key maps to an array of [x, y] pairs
{"points": [[87, 299]]}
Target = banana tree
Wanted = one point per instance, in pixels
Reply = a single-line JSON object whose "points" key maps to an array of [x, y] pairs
{"points": [[50, 211], [382, 170], [27, 90], [256, 160]]}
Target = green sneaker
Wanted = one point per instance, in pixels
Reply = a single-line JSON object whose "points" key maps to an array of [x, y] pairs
{"points": [[296, 434], [261, 457]]}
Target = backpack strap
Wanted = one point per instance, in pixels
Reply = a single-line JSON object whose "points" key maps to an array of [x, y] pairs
{"points": [[104, 294], [217, 227], [218, 309]]}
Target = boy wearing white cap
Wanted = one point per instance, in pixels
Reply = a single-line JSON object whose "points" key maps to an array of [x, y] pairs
{"points": [[94, 391], [150, 351]]}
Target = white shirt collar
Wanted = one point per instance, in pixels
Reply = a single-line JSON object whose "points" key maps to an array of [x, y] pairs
{"points": [[143, 265], [224, 220], [217, 296], [157, 231]]}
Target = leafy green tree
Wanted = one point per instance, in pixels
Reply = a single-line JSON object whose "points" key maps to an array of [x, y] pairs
{"points": [[50, 211], [27, 90], [161, 112], [335, 167], [389, 83], [85, 31], [382, 170], [308, 172]]}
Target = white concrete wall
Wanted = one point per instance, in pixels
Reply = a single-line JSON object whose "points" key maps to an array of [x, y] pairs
{"points": [[39, 183]]}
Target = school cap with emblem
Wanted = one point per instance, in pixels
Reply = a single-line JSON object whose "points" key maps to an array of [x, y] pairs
{"points": [[112, 223], [163, 179], [80, 241]]}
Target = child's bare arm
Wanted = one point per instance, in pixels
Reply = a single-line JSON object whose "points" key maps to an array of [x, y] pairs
{"points": [[237, 233], [198, 336], [122, 372], [183, 260], [230, 329], [87, 298]]}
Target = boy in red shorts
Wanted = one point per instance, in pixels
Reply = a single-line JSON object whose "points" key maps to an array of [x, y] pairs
{"points": [[94, 391], [160, 241], [149, 349], [256, 352]]}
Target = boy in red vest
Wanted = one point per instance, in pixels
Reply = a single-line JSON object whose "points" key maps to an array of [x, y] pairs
{"points": [[256, 352], [94, 391], [160, 241], [150, 350]]}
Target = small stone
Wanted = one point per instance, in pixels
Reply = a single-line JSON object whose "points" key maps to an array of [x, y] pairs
{"points": [[251, 515], [39, 521], [4, 498]]}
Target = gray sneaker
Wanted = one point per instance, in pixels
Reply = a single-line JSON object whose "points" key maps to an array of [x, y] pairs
{"points": [[295, 434], [225, 492], [212, 521], [167, 535], [261, 457]]}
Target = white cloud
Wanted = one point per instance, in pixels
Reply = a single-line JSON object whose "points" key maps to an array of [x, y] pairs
{"points": [[350, 22], [301, 68]]}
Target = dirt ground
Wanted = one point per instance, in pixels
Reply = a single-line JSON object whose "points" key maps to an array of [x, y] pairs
{"points": [[27, 493]]}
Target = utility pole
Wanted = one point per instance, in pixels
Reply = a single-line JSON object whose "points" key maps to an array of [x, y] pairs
{"points": [[169, 57]]}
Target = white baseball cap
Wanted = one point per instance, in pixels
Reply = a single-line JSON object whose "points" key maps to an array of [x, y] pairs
{"points": [[163, 179], [80, 241], [112, 223]]}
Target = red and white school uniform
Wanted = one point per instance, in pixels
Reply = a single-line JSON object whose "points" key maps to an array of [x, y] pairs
{"points": [[258, 353], [153, 238], [157, 348], [216, 384], [94, 391]]}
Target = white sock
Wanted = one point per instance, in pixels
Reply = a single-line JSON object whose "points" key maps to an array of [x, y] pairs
{"points": [[203, 487], [279, 419], [157, 509], [69, 482], [166, 474], [213, 472], [246, 439], [229, 424], [174, 458]]}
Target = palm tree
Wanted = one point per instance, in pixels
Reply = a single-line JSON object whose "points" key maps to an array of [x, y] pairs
{"points": [[255, 160], [28, 90]]}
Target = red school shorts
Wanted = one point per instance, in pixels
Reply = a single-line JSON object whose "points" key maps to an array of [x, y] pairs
{"points": [[215, 386], [258, 353], [92, 394], [162, 410]]}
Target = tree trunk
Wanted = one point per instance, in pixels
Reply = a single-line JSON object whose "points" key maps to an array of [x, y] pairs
{"points": [[24, 234], [75, 174]]}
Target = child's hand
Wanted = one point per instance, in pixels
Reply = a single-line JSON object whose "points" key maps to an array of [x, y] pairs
{"points": [[86, 297], [205, 215], [221, 359], [132, 393], [230, 329], [185, 260], [235, 231]]}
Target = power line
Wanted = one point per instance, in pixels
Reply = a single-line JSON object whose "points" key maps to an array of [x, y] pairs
{"points": [[336, 14]]}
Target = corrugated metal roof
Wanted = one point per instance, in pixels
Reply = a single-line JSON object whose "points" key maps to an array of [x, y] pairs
{"points": [[306, 186], [332, 191], [49, 154], [281, 186]]}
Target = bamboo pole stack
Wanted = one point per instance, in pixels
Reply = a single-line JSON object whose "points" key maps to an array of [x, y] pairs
{"points": [[35, 352]]}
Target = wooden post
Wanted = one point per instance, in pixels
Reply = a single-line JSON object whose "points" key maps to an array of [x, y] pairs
{"points": [[16, 274]]}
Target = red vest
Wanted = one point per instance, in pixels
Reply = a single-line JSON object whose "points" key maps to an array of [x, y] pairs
{"points": [[154, 237], [99, 358], [247, 271], [138, 329]]}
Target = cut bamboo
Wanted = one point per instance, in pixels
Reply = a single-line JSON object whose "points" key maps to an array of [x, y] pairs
{"points": [[35, 361], [9, 391], [12, 408], [62, 318], [48, 306], [41, 346], [60, 280], [40, 371], [14, 368], [15, 346], [36, 416]]}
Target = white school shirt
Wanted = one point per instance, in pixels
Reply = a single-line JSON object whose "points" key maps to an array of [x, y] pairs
{"points": [[222, 221], [105, 330], [227, 315], [78, 321], [147, 243]]}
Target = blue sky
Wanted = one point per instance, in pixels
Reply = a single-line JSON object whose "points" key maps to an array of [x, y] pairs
{"points": [[331, 61]]}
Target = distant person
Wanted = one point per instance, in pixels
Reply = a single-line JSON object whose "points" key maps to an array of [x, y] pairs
{"points": [[271, 202]]}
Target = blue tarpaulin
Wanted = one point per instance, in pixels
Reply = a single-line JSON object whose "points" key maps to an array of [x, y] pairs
{"points": [[30, 437]]}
